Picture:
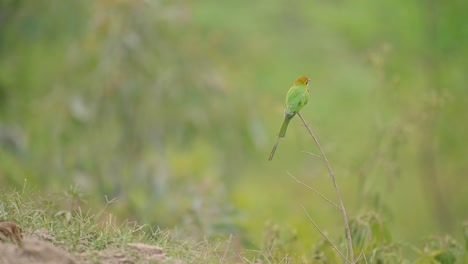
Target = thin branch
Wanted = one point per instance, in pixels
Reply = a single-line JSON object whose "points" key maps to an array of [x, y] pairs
{"points": [[332, 175], [323, 234], [365, 259], [313, 154], [317, 192], [228, 246]]}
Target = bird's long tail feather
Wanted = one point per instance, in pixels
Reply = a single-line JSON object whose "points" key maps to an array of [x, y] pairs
{"points": [[274, 149], [282, 132], [284, 127]]}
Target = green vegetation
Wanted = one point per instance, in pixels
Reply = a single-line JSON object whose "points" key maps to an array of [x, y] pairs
{"points": [[83, 232], [170, 109]]}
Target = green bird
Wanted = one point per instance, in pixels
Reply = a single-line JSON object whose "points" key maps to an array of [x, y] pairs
{"points": [[296, 98]]}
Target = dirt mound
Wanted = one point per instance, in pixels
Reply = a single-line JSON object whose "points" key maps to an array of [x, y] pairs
{"points": [[132, 253], [33, 251], [37, 250]]}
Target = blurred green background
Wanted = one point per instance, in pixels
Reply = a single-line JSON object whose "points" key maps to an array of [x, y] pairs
{"points": [[172, 107]]}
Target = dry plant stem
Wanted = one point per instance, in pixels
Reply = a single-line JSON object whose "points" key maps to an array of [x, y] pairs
{"points": [[323, 234], [223, 260], [313, 189], [318, 156], [332, 175]]}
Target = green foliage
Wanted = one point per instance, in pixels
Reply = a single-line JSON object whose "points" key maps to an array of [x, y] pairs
{"points": [[324, 253], [77, 231], [368, 232], [441, 249], [279, 242]]}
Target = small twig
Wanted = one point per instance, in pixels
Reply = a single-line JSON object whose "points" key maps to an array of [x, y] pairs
{"points": [[365, 259], [242, 258], [323, 234], [265, 257], [313, 154], [228, 246], [313, 189], [332, 175]]}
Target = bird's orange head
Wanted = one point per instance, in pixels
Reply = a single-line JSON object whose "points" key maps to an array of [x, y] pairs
{"points": [[302, 81]]}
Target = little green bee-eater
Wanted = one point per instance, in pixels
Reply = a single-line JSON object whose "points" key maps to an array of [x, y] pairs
{"points": [[296, 98]]}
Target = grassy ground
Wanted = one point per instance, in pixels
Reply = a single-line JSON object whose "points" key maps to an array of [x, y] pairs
{"points": [[54, 235], [93, 237]]}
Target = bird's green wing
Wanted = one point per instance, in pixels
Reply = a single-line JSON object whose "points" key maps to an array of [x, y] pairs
{"points": [[297, 97]]}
